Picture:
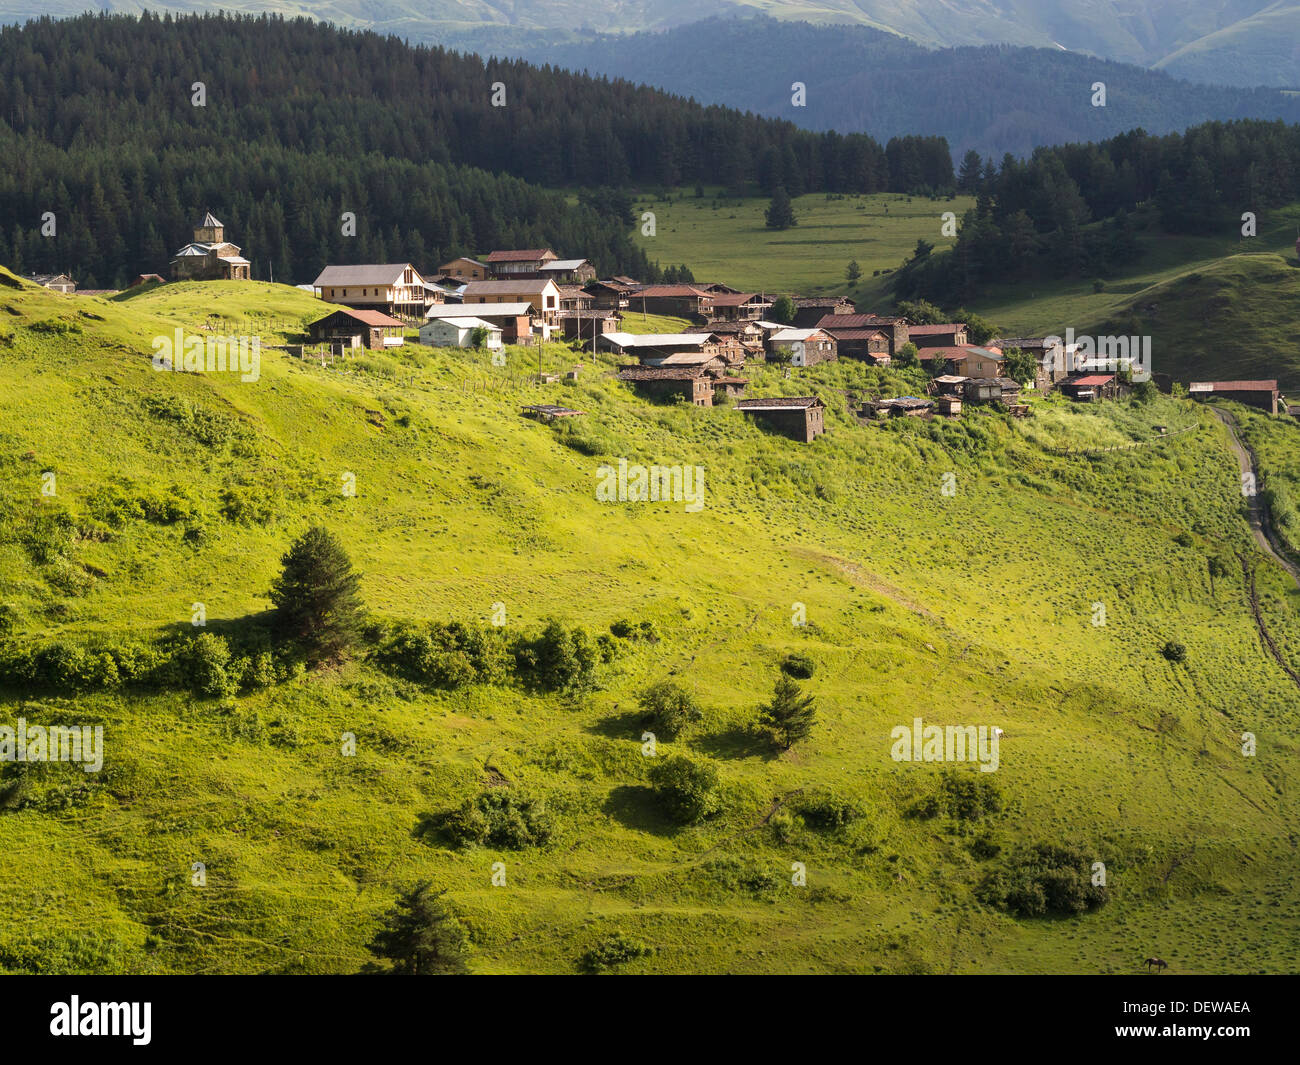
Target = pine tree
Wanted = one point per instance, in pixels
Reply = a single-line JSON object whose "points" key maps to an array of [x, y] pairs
{"points": [[780, 213], [315, 596], [854, 271], [421, 937], [790, 715]]}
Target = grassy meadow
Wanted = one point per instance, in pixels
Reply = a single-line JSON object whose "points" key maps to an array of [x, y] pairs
{"points": [[975, 607], [724, 239]]}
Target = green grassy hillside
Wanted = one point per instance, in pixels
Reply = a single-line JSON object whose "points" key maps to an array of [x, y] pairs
{"points": [[972, 608], [723, 239]]}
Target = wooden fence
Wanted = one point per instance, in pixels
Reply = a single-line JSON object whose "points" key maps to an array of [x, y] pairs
{"points": [[1120, 447]]}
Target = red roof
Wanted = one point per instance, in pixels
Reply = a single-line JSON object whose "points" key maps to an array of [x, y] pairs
{"points": [[1092, 380], [951, 354]]}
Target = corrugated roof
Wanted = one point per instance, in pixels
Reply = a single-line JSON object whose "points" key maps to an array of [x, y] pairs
{"points": [[364, 274], [647, 340], [1092, 380], [518, 255], [371, 318], [483, 310], [564, 264], [506, 288], [1234, 386]]}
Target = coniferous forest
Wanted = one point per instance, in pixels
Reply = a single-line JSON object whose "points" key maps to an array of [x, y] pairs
{"points": [[301, 122]]}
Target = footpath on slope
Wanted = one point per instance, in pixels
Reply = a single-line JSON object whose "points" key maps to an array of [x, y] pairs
{"points": [[1261, 526]]}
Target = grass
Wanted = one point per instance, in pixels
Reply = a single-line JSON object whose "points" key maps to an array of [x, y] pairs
{"points": [[723, 239], [971, 608]]}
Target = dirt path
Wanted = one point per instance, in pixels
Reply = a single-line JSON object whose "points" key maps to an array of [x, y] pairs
{"points": [[1260, 524]]}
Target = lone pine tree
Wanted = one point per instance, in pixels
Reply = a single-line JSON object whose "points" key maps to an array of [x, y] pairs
{"points": [[316, 599], [421, 937], [790, 715]]}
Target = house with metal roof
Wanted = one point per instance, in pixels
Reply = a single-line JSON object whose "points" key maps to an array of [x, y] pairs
{"points": [[396, 289]]}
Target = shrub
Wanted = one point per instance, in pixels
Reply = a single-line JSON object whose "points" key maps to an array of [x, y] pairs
{"points": [[1044, 879], [613, 950], [559, 659], [798, 665], [686, 789], [207, 667], [1174, 651], [826, 810], [669, 708], [449, 655], [497, 817]]}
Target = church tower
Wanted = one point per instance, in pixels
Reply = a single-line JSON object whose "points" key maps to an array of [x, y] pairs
{"points": [[210, 231]]}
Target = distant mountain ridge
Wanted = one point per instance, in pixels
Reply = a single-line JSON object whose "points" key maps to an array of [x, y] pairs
{"points": [[1235, 42], [994, 99]]}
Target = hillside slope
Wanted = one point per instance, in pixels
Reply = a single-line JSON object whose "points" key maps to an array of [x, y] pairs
{"points": [[976, 608]]}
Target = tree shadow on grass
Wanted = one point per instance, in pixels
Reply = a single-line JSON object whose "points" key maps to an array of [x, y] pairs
{"points": [[633, 806], [739, 741], [620, 725]]}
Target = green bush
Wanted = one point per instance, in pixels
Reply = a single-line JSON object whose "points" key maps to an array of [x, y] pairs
{"points": [[686, 789], [798, 665], [825, 810], [445, 655], [207, 667], [1174, 651], [558, 659], [1044, 879], [499, 818], [613, 950], [669, 709]]}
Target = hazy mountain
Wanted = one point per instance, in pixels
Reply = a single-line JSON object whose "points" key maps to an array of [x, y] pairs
{"points": [[1235, 42]]}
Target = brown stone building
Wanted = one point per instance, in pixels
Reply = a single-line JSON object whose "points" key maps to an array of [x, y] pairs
{"points": [[209, 256], [798, 417], [810, 310], [357, 329]]}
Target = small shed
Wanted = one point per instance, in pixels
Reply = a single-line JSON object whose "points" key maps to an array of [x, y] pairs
{"points": [[548, 412], [798, 417]]}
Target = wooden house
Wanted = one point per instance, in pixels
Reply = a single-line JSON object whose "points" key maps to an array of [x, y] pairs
{"points": [[951, 335], [745, 337], [147, 279], [1261, 394], [395, 289], [990, 390], [740, 306], [942, 360], [798, 417], [358, 329], [542, 293], [569, 271], [948, 406], [519, 263], [802, 347], [810, 310], [677, 301], [894, 328], [609, 295], [515, 320], [1088, 387], [465, 269]]}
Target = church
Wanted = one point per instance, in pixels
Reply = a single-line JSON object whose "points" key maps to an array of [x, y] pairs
{"points": [[209, 257]]}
